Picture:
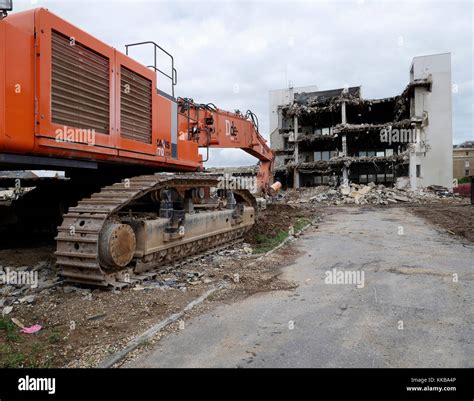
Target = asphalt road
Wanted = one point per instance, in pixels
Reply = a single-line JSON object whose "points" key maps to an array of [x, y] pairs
{"points": [[410, 312]]}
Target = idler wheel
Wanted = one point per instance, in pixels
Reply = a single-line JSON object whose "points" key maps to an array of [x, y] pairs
{"points": [[117, 245]]}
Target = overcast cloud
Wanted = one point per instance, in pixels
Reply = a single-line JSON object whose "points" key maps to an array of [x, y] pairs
{"points": [[232, 53]]}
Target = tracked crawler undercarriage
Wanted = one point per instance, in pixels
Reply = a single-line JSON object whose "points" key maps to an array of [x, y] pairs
{"points": [[145, 222]]}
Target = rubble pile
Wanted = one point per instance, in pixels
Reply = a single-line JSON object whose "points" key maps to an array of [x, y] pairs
{"points": [[21, 285], [207, 270], [24, 284], [370, 194], [317, 105], [7, 195]]}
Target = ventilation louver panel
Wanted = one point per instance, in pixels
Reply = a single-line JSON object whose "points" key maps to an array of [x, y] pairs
{"points": [[80, 86], [135, 106]]}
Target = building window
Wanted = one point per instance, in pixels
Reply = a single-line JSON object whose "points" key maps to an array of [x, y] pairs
{"points": [[466, 163], [418, 170], [467, 153], [466, 172], [285, 143]]}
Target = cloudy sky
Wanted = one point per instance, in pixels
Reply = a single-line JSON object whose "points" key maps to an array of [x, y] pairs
{"points": [[232, 53]]}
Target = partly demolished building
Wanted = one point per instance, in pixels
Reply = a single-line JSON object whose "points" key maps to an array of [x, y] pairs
{"points": [[337, 137]]}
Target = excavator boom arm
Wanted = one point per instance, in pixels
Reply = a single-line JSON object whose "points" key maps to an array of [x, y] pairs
{"points": [[212, 127]]}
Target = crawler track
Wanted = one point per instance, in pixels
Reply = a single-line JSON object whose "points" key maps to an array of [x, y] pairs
{"points": [[79, 234]]}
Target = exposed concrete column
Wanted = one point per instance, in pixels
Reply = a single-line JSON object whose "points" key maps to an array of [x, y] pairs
{"points": [[345, 175], [343, 113], [412, 170], [296, 173]]}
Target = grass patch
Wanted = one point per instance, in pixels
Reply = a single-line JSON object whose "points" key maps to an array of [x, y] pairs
{"points": [[266, 242], [18, 351], [54, 338], [24, 355], [10, 358], [10, 328], [300, 223]]}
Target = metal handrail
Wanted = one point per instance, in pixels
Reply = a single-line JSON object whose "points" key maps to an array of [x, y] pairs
{"points": [[174, 74]]}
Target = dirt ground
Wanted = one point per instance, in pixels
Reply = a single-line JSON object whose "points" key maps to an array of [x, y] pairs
{"points": [[457, 220], [81, 326], [278, 218]]}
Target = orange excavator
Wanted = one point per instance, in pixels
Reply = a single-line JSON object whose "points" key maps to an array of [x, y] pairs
{"points": [[135, 197]]}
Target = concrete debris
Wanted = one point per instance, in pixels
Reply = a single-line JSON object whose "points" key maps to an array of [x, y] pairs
{"points": [[28, 299], [374, 128], [9, 195], [336, 162], [439, 189], [68, 289], [96, 317], [6, 310], [318, 105], [370, 194], [345, 191], [401, 198], [402, 183], [18, 322], [261, 203], [5, 289]]}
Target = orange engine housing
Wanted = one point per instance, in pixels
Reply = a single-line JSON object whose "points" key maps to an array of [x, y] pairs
{"points": [[67, 97]]}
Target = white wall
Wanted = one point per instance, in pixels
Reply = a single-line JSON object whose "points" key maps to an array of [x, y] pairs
{"points": [[437, 162], [280, 97]]}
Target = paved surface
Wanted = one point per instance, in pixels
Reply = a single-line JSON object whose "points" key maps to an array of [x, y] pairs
{"points": [[408, 281]]}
